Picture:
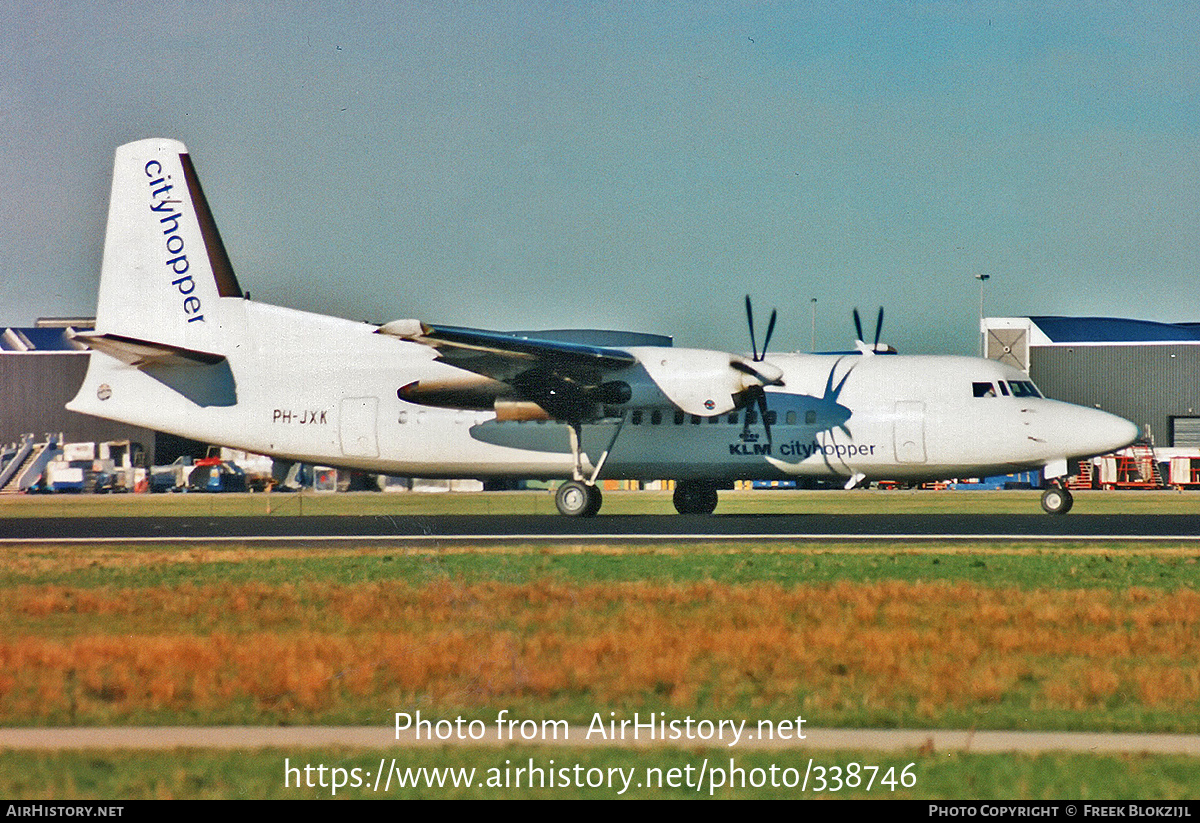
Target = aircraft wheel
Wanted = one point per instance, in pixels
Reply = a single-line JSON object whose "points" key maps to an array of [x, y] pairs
{"points": [[1057, 501], [695, 498], [595, 499], [576, 499]]}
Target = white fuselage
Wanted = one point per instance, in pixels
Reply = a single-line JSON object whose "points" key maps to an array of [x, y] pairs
{"points": [[323, 390]]}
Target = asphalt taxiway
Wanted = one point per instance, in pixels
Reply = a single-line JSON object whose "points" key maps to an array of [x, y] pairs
{"points": [[647, 528]]}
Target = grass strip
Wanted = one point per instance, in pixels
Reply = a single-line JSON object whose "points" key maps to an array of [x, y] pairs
{"points": [[189, 774]]}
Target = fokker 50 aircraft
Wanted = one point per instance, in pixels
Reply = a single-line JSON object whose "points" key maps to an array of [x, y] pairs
{"points": [[180, 348]]}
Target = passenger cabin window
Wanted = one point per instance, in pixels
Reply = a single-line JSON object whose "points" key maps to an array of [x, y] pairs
{"points": [[790, 418], [679, 418], [810, 417], [655, 417], [984, 389], [636, 417], [733, 419]]}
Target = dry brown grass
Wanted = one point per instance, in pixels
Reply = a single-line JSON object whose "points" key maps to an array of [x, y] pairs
{"points": [[31, 559], [889, 648]]}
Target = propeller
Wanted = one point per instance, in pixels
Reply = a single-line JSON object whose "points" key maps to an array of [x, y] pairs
{"points": [[756, 394], [758, 358], [862, 346]]}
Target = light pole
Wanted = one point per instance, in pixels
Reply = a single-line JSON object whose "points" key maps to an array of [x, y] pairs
{"points": [[982, 278], [813, 303]]}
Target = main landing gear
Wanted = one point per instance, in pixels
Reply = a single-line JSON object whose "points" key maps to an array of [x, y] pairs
{"points": [[1057, 500], [578, 499], [580, 496], [695, 497]]}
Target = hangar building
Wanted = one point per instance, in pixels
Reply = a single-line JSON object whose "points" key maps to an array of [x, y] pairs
{"points": [[41, 369]]}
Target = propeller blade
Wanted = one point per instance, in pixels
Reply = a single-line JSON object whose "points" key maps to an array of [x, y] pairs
{"points": [[772, 377], [762, 410], [858, 326], [751, 397], [878, 329], [750, 323], [770, 331]]}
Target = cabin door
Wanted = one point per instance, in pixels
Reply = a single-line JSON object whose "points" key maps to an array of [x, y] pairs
{"points": [[357, 426], [910, 432]]}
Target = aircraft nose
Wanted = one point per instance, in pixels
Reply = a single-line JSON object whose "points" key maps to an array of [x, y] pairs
{"points": [[1102, 433], [1080, 431]]}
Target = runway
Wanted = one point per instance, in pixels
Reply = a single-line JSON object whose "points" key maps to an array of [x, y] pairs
{"points": [[643, 528]]}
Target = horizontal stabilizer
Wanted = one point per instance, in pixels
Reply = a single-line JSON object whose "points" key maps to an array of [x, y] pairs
{"points": [[142, 353]]}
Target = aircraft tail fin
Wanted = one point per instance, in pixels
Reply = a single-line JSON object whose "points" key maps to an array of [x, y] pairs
{"points": [[165, 268]]}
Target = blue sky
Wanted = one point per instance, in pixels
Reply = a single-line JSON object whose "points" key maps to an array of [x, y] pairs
{"points": [[628, 165]]}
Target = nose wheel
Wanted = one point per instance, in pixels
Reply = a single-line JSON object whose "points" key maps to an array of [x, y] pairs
{"points": [[578, 499], [1056, 500]]}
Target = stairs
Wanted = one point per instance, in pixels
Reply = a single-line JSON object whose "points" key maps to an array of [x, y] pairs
{"points": [[1135, 468], [1085, 478], [1147, 464], [23, 463]]}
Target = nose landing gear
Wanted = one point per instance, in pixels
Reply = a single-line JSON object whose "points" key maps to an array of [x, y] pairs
{"points": [[1057, 500]]}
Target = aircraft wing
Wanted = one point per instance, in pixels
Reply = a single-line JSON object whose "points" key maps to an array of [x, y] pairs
{"points": [[574, 380], [503, 355]]}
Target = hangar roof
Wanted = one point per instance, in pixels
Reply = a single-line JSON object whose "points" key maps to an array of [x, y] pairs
{"points": [[26, 340], [1114, 330]]}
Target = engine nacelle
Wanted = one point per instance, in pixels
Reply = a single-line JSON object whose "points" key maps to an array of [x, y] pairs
{"points": [[463, 390], [697, 381], [519, 410]]}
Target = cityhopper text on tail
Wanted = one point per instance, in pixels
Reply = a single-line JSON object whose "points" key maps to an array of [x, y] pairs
{"points": [[179, 347]]}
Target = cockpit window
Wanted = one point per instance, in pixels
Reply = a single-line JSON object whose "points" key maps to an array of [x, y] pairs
{"points": [[1015, 388]]}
